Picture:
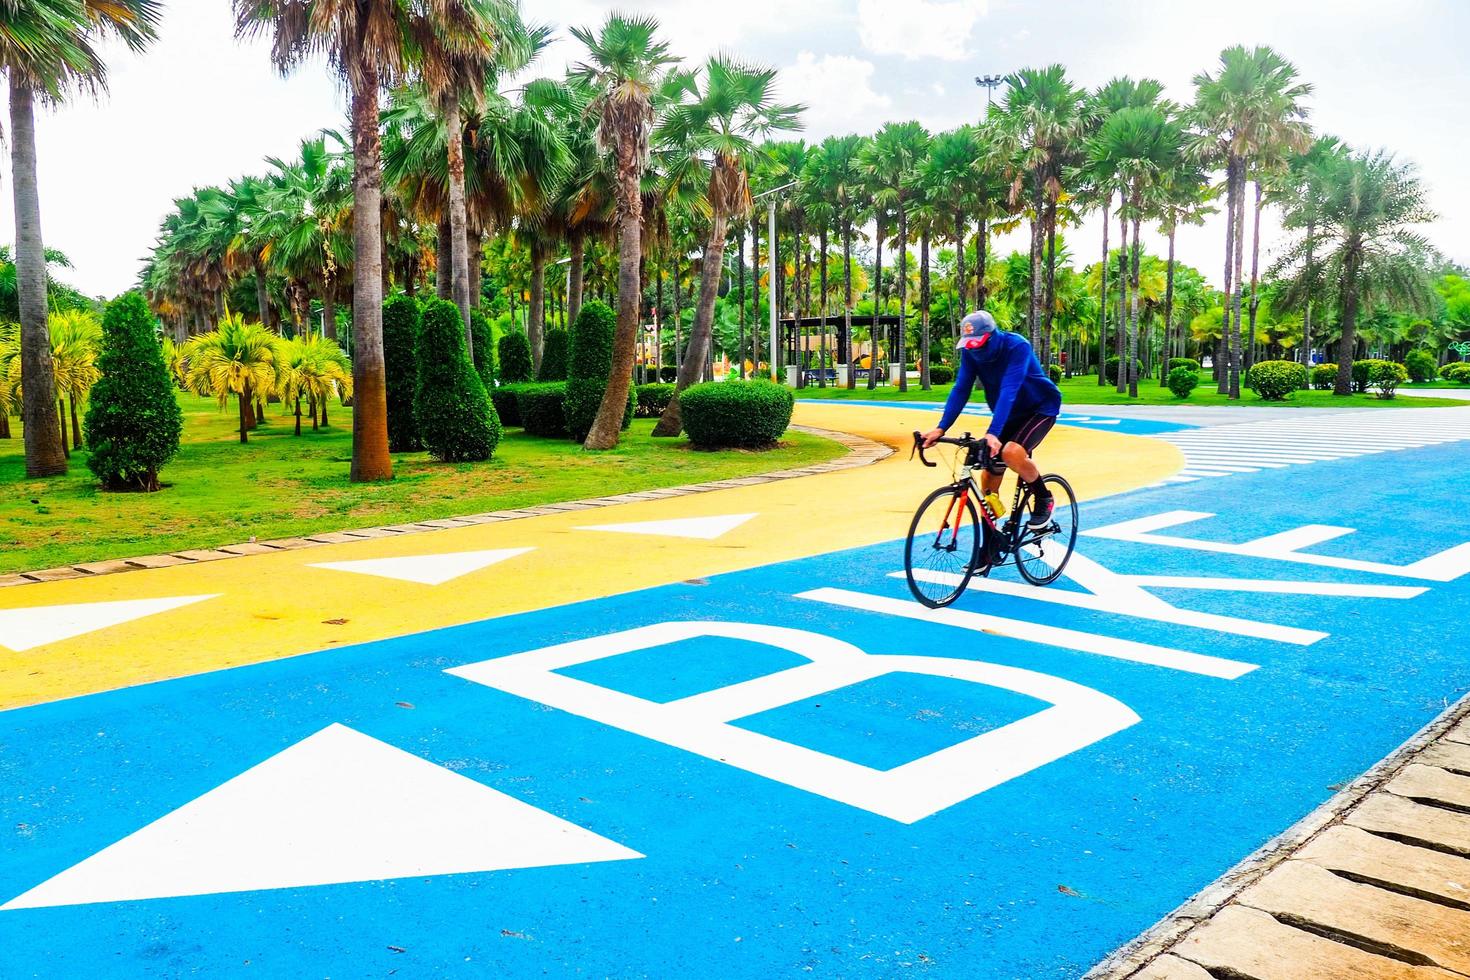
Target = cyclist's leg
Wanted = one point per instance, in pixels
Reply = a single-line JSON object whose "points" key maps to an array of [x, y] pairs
{"points": [[1021, 441]]}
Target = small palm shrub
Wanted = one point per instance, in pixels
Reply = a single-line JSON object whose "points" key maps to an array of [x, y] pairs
{"points": [[484, 352], [941, 374], [1324, 377], [1184, 362], [650, 400], [589, 360], [1385, 378], [745, 414], [1421, 365], [401, 366], [1182, 381], [504, 398], [554, 355], [1276, 380], [515, 358], [134, 422], [543, 408], [456, 421]]}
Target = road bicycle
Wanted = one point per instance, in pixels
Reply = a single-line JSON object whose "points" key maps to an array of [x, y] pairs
{"points": [[956, 533]]}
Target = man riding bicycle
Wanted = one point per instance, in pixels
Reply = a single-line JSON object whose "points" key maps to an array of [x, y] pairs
{"points": [[1024, 404]]}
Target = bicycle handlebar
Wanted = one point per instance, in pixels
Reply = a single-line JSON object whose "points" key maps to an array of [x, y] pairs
{"points": [[964, 442]]}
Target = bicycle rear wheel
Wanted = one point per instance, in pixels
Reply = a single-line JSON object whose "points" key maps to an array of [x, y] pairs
{"points": [[943, 547], [1042, 555]]}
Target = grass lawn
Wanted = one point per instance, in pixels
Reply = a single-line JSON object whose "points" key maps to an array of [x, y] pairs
{"points": [[1084, 390], [220, 492]]}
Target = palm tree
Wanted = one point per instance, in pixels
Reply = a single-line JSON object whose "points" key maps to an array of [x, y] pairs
{"points": [[1253, 107], [1183, 200], [718, 123], [622, 70], [829, 180], [1364, 245], [313, 367], [237, 359], [46, 49], [76, 339], [371, 43], [891, 160], [949, 177], [1308, 178]]}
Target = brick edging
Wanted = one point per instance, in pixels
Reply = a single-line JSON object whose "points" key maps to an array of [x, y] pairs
{"points": [[861, 452]]}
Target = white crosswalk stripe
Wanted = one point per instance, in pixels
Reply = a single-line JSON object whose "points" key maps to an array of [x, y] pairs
{"points": [[1277, 443]]}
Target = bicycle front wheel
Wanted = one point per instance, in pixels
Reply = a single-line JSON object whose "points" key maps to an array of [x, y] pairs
{"points": [[1041, 555], [943, 547]]}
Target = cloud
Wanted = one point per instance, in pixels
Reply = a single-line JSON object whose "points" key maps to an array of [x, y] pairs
{"points": [[837, 91], [919, 28]]}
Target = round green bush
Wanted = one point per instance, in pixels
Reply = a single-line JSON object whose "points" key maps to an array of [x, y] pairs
{"points": [[133, 422], [400, 365], [1184, 362], [652, 399], [1385, 378], [1276, 380], [1457, 372], [1182, 381], [1362, 370], [484, 354], [1324, 377], [1055, 373], [589, 362], [1421, 365], [456, 420], [941, 374], [554, 355], [515, 358], [507, 407], [746, 414], [543, 408], [1112, 369]]}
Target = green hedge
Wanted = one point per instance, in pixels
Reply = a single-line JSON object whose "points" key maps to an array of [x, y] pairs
{"points": [[134, 421], [1324, 377], [1182, 381], [400, 366], [747, 414], [1184, 362], [484, 354], [554, 355], [543, 408], [515, 358], [1422, 366], [1276, 380], [650, 400], [456, 420], [1361, 372], [589, 361], [941, 374], [506, 405], [1458, 372], [1112, 369], [1386, 376]]}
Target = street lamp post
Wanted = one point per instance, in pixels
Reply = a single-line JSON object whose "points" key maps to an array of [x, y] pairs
{"points": [[771, 265], [989, 83]]}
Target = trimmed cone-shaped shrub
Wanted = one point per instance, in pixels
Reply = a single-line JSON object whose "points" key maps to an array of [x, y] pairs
{"points": [[515, 358], [652, 399], [1276, 380], [745, 414], [554, 355], [484, 352], [506, 405], [401, 366], [543, 408], [1386, 376], [1421, 365], [1324, 377], [1182, 381], [134, 421], [589, 360], [456, 421]]}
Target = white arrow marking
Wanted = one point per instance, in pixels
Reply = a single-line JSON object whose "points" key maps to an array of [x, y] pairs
{"points": [[426, 569], [25, 629], [702, 528]]}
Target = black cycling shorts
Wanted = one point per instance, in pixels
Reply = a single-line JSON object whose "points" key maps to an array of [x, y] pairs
{"points": [[1028, 430]]}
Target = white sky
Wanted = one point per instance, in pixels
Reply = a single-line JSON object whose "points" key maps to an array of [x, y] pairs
{"points": [[200, 108]]}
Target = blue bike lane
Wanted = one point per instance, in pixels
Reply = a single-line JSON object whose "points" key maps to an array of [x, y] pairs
{"points": [[786, 770]]}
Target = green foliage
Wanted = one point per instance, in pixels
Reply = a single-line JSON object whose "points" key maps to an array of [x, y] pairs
{"points": [[507, 406], [543, 408], [1055, 373], [400, 364], [1362, 370], [1458, 372], [1386, 376], [515, 358], [1421, 365], [589, 361], [554, 355], [1324, 376], [941, 374], [747, 414], [1112, 369], [456, 421], [652, 399], [1184, 362], [133, 422], [484, 351], [1182, 381], [1276, 380]]}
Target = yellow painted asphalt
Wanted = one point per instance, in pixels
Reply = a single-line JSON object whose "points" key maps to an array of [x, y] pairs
{"points": [[276, 605]]}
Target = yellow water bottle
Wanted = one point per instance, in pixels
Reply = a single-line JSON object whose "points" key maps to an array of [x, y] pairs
{"points": [[997, 509]]}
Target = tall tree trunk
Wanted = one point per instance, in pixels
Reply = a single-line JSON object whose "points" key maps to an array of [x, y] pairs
{"points": [[961, 285], [474, 266], [1168, 310], [370, 459], [577, 246], [1102, 306], [263, 296], [444, 259], [1038, 221], [536, 325], [755, 298], [823, 311], [1238, 337], [1255, 278], [246, 423], [672, 422], [5, 425], [678, 315], [609, 422], [1120, 335], [1133, 308], [1346, 347], [298, 414], [1307, 311], [1223, 345], [1050, 300], [928, 345], [876, 331], [902, 345], [45, 455], [740, 272], [459, 243], [61, 418], [845, 344], [76, 426], [329, 313]]}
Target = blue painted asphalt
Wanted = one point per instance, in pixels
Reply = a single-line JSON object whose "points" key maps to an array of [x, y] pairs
{"points": [[1080, 417], [1040, 876]]}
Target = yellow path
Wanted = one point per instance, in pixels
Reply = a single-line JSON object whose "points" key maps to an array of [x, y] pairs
{"points": [[274, 605]]}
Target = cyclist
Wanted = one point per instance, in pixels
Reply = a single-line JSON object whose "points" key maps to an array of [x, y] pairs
{"points": [[1023, 401]]}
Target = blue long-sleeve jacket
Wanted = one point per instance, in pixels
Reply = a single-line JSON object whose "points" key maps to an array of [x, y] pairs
{"points": [[1013, 380]]}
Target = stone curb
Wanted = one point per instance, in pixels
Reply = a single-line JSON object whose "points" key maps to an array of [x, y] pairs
{"points": [[861, 452]]}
